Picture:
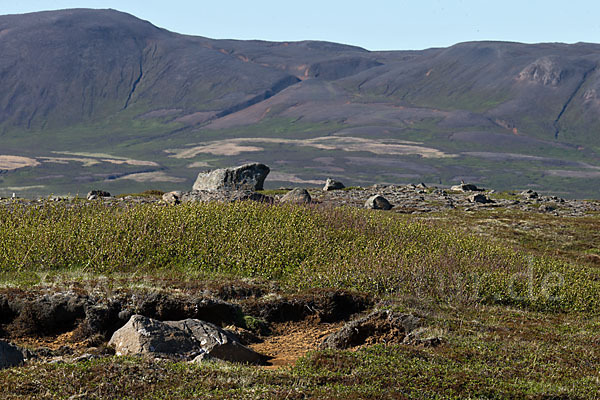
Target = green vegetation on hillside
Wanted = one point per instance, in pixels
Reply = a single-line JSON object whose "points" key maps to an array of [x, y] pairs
{"points": [[516, 321], [299, 246]]}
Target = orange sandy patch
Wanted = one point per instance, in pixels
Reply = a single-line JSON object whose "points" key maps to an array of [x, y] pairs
{"points": [[51, 342], [292, 340]]}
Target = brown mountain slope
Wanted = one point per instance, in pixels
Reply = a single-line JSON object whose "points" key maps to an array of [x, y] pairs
{"points": [[90, 81]]}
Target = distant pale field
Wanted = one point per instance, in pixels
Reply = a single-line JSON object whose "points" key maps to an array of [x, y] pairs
{"points": [[231, 147]]}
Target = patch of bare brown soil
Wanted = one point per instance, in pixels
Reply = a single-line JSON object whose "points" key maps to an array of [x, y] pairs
{"points": [[291, 340], [55, 342]]}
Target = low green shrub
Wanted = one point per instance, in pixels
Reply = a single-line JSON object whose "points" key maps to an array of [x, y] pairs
{"points": [[301, 246]]}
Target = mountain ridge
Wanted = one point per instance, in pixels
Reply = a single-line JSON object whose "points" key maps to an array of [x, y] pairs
{"points": [[80, 80]]}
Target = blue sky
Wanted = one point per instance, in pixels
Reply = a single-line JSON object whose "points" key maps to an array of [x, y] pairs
{"points": [[374, 24]]}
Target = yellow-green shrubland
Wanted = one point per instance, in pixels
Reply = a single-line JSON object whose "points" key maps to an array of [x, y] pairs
{"points": [[516, 321], [302, 247]]}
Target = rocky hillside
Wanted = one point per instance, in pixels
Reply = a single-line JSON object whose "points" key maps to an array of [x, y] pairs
{"points": [[91, 97]]}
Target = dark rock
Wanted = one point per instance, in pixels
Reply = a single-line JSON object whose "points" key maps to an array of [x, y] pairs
{"points": [[328, 306], [547, 208], [217, 311], [335, 305], [85, 357], [466, 187], [529, 194], [100, 319], [296, 196], [480, 198], [162, 306], [279, 310], [7, 314], [201, 358], [378, 202], [244, 177], [331, 184], [378, 326], [97, 194], [50, 314], [10, 355]]}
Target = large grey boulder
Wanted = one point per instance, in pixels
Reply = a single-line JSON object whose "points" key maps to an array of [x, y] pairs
{"points": [[378, 202], [296, 196], [217, 342], [10, 355], [143, 335], [185, 339], [244, 177]]}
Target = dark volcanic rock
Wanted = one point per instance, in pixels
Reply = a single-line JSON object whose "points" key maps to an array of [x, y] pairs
{"points": [[97, 194], [10, 355], [244, 177]]}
